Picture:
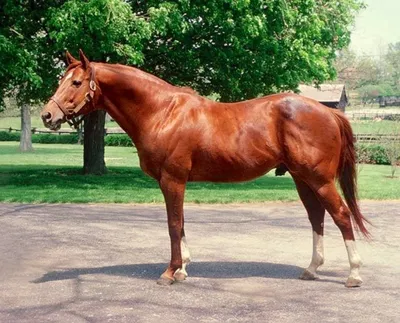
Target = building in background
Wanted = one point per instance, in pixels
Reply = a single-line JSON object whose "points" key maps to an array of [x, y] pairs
{"points": [[331, 95]]}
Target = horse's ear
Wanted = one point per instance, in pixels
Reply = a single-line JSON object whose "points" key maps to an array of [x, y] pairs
{"points": [[70, 59], [85, 62]]}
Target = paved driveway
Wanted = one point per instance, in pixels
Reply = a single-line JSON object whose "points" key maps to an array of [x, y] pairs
{"points": [[99, 263]]}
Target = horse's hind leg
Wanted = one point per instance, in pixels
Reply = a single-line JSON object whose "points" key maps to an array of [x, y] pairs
{"points": [[316, 213], [333, 203]]}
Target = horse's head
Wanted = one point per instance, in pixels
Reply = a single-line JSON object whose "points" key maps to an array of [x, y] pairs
{"points": [[75, 95]]}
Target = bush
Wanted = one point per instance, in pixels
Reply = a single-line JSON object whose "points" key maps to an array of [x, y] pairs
{"points": [[118, 140], [41, 138], [121, 140], [49, 138], [392, 117], [9, 136], [379, 155], [372, 154]]}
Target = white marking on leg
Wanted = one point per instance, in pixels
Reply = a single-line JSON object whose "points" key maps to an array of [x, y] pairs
{"points": [[185, 254], [354, 260], [317, 258], [185, 257], [318, 253]]}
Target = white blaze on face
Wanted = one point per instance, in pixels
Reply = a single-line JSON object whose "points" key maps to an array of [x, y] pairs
{"points": [[67, 77]]}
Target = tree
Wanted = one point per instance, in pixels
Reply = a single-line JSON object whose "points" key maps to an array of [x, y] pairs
{"points": [[392, 67], [238, 49], [369, 76], [358, 71], [345, 65], [242, 49], [27, 70], [35, 33], [107, 30]]}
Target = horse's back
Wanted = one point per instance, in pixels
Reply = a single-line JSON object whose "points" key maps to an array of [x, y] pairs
{"points": [[235, 141], [228, 142]]}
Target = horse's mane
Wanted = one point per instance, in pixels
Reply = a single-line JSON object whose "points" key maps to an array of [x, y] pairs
{"points": [[120, 68], [187, 89]]}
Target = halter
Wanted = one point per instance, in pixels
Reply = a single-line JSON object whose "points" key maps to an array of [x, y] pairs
{"points": [[71, 114]]}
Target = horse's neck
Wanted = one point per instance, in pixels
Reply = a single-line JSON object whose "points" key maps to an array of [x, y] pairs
{"points": [[132, 97]]}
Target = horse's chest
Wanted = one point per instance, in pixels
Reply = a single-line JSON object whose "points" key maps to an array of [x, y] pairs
{"points": [[150, 163]]}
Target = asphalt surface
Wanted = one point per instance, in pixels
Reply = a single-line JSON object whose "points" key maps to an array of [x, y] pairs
{"points": [[99, 263]]}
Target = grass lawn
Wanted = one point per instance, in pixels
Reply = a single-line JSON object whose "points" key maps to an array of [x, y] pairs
{"points": [[52, 173], [375, 127]]}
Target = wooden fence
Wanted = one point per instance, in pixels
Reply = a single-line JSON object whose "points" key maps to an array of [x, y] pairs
{"points": [[363, 138], [376, 138], [373, 115]]}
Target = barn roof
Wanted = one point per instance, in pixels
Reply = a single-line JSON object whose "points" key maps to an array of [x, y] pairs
{"points": [[326, 92]]}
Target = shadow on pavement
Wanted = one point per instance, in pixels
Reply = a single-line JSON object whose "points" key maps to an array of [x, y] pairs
{"points": [[198, 269]]}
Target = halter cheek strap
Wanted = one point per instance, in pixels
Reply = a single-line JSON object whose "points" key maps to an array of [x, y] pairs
{"points": [[71, 114]]}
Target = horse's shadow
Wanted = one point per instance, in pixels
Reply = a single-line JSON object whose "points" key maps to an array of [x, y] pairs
{"points": [[205, 269]]}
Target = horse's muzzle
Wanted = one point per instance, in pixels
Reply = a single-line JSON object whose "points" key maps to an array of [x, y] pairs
{"points": [[51, 116]]}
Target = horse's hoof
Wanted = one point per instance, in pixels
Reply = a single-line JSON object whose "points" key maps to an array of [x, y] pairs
{"points": [[179, 276], [165, 281], [353, 282], [308, 275]]}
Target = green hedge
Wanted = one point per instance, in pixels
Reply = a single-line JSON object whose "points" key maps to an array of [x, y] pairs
{"points": [[118, 140], [54, 139], [42, 138], [9, 136], [121, 140]]}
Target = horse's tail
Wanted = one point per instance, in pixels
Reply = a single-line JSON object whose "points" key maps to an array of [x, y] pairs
{"points": [[347, 173]]}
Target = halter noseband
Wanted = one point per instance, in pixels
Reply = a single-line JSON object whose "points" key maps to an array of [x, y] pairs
{"points": [[70, 114]]}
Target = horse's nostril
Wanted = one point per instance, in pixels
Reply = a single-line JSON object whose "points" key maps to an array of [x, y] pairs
{"points": [[46, 116]]}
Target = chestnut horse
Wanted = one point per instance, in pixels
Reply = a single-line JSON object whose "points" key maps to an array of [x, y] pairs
{"points": [[181, 136]]}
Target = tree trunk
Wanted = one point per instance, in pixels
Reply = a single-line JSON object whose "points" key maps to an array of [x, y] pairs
{"points": [[25, 143], [80, 134], [93, 141]]}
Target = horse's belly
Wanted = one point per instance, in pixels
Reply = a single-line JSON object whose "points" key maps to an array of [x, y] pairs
{"points": [[230, 170]]}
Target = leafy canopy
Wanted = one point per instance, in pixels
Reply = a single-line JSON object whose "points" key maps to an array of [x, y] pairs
{"points": [[244, 48], [107, 30], [238, 49], [371, 76]]}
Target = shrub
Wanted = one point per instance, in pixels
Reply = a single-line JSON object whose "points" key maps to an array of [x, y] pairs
{"points": [[392, 117], [9, 136], [48, 138], [363, 155], [41, 138], [372, 154], [379, 155], [122, 140]]}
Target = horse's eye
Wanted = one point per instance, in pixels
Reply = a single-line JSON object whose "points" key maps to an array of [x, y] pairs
{"points": [[76, 83]]}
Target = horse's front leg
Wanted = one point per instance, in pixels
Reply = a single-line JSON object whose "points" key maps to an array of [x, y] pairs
{"points": [[174, 190]]}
